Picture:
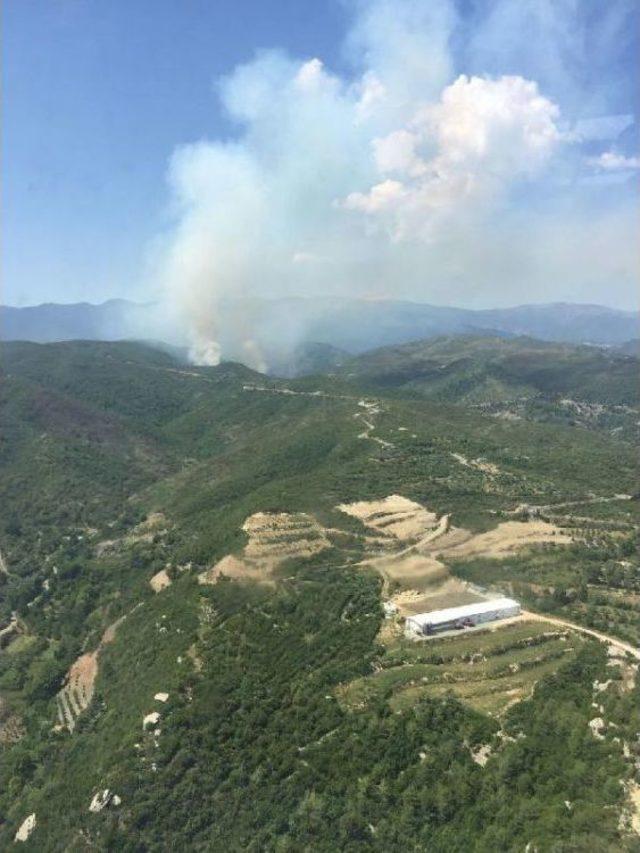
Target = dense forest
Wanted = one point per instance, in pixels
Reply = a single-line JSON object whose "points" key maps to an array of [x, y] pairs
{"points": [[291, 716]]}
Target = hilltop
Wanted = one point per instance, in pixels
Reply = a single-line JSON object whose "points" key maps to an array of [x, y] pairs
{"points": [[486, 369]]}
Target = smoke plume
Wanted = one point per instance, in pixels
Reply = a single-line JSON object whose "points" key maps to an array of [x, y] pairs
{"points": [[430, 172]]}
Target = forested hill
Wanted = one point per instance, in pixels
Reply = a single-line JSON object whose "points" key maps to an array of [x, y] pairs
{"points": [[474, 369], [194, 653]]}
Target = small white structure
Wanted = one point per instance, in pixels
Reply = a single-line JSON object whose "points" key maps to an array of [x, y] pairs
{"points": [[26, 828], [466, 616]]}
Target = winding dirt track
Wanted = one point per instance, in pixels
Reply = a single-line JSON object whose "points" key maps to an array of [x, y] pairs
{"points": [[605, 638]]}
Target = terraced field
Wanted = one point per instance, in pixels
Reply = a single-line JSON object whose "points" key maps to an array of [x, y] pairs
{"points": [[489, 670], [273, 538], [79, 683], [611, 610], [77, 693], [394, 516]]}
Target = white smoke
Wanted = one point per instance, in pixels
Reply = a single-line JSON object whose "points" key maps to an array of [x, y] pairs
{"points": [[407, 179]]}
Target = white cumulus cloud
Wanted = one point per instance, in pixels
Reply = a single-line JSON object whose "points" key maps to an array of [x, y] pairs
{"points": [[480, 138], [408, 175], [610, 161]]}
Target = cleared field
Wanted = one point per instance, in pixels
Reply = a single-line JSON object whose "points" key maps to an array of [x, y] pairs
{"points": [[446, 593], [489, 670], [508, 537], [415, 546], [394, 516], [273, 538], [77, 692]]}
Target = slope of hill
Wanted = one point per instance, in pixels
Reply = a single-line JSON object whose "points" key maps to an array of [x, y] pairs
{"points": [[194, 652], [478, 369]]}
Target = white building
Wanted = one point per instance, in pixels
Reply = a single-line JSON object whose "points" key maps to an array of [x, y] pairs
{"points": [[461, 617]]}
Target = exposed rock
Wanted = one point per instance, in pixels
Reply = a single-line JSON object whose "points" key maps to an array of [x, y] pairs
{"points": [[100, 800], [9, 631], [150, 719], [482, 754], [160, 581], [26, 828], [161, 697]]}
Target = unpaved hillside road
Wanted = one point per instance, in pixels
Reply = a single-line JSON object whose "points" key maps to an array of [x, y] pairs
{"points": [[544, 508], [369, 407], [605, 638], [439, 530], [288, 392]]}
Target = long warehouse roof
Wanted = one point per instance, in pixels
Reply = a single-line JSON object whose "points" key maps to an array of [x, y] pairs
{"points": [[435, 617]]}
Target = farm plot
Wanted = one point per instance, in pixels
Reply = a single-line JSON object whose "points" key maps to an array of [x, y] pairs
{"points": [[488, 670], [77, 692], [393, 516], [273, 538], [414, 548]]}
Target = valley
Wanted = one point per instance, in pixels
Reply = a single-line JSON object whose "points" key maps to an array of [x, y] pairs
{"points": [[249, 548]]}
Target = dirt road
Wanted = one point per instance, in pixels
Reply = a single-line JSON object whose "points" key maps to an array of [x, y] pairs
{"points": [[605, 638]]}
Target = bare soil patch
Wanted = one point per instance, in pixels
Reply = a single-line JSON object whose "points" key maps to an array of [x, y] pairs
{"points": [[506, 538], [417, 546], [447, 592], [273, 538], [395, 516], [79, 684], [477, 464]]}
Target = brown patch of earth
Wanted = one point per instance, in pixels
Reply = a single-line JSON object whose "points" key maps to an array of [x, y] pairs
{"points": [[478, 464], [506, 538], [79, 684], [450, 592], [420, 567], [394, 516], [273, 538]]}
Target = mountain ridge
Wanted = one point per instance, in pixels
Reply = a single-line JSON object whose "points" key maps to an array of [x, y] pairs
{"points": [[354, 325]]}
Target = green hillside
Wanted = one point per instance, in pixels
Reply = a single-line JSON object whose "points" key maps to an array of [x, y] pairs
{"points": [[295, 718], [478, 369]]}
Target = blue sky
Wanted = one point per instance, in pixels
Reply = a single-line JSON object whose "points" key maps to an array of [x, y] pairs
{"points": [[343, 152], [97, 96]]}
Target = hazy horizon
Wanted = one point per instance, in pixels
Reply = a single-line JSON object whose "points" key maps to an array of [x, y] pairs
{"points": [[142, 303], [452, 153]]}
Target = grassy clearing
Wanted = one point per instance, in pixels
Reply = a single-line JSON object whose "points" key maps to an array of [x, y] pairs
{"points": [[487, 670]]}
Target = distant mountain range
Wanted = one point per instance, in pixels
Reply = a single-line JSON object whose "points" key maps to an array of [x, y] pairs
{"points": [[281, 326], [53, 321]]}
